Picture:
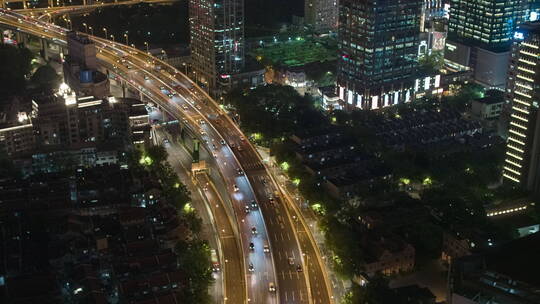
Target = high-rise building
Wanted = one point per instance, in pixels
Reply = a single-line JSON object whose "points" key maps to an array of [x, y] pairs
{"points": [[521, 165], [479, 37], [80, 68], [217, 41], [488, 23], [322, 15], [379, 43]]}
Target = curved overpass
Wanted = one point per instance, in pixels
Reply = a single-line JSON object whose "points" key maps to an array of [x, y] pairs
{"points": [[67, 8], [203, 116]]}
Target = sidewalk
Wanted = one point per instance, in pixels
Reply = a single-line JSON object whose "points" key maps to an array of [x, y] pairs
{"points": [[339, 286]]}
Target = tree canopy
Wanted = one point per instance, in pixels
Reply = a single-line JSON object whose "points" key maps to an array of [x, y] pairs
{"points": [[15, 65], [274, 110], [45, 78]]}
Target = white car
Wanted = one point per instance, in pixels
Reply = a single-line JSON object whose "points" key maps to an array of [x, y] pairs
{"points": [[271, 287]]}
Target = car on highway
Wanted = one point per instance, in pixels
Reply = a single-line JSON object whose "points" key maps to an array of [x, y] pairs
{"points": [[215, 263], [266, 248], [291, 261], [254, 204], [235, 188], [251, 246], [247, 209], [222, 142], [239, 171], [253, 230], [271, 287], [214, 147], [299, 268], [251, 268]]}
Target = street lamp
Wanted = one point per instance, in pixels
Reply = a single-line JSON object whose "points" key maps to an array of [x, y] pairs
{"points": [[127, 38], [185, 67], [112, 36], [105, 31], [85, 27], [91, 30], [146, 43]]}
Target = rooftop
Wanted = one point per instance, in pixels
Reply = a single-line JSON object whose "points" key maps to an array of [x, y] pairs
{"points": [[518, 259], [490, 100]]}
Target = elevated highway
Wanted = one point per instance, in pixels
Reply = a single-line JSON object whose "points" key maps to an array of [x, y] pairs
{"points": [[240, 166]]}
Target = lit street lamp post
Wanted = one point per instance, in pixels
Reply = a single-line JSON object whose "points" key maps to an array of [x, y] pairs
{"points": [[105, 31], [112, 37], [85, 27], [127, 38], [91, 30], [185, 67], [146, 43]]}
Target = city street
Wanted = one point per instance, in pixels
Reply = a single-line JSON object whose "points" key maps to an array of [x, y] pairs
{"points": [[276, 279]]}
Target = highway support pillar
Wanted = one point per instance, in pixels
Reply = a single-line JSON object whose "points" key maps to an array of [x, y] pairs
{"points": [[195, 153], [44, 50], [123, 83]]}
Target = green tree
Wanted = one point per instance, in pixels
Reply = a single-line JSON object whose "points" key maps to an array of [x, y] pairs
{"points": [[45, 78], [157, 154], [431, 63], [274, 111], [194, 261], [15, 64]]}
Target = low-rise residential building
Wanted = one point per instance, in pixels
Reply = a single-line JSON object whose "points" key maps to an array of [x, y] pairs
{"points": [[487, 108], [350, 183], [16, 131], [393, 217], [414, 294], [463, 241], [388, 255], [425, 129]]}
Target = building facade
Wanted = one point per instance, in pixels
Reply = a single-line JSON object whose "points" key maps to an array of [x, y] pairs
{"points": [[378, 43], [217, 41], [321, 15], [488, 23], [80, 68], [479, 37], [523, 147], [16, 134]]}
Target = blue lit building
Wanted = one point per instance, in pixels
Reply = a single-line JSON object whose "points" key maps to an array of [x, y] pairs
{"points": [[479, 37]]}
